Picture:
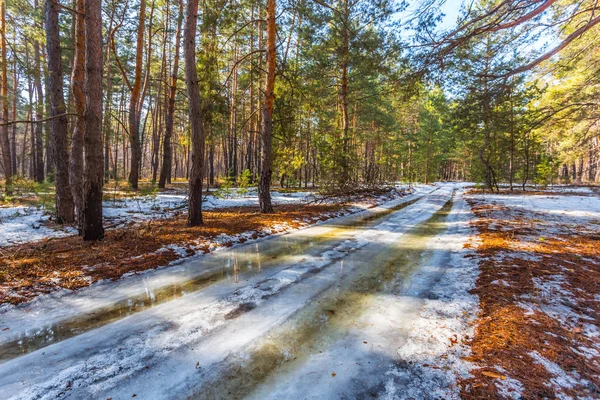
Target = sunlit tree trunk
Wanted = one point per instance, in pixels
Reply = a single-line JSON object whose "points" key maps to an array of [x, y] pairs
{"points": [[5, 142], [134, 103], [13, 151], [165, 170], [195, 115], [39, 110], [344, 93], [58, 123], [77, 88], [264, 186], [92, 228]]}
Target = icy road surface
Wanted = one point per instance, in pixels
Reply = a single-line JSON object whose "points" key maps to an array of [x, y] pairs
{"points": [[359, 307]]}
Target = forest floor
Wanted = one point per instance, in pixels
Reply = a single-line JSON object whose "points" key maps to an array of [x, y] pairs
{"points": [[149, 232], [538, 331], [444, 293], [28, 216]]}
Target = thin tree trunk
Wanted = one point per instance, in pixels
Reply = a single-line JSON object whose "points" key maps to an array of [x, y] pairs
{"points": [[39, 112], [134, 103], [264, 186], [13, 150], [344, 95], [195, 114], [511, 168], [5, 142], [77, 87], [165, 170], [92, 228], [58, 125]]}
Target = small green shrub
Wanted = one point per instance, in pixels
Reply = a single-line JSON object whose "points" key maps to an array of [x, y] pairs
{"points": [[244, 182]]}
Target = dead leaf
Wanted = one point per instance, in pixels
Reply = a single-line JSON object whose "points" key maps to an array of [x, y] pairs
{"points": [[333, 374]]}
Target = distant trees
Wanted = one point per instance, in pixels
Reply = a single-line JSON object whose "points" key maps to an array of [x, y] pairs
{"points": [[487, 51], [330, 95]]}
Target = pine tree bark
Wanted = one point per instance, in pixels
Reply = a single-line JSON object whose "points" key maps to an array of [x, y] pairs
{"points": [[165, 170], [345, 50], [4, 140], [39, 112], [77, 88], [195, 114], [13, 151], [134, 103], [58, 123], [264, 187], [92, 228]]}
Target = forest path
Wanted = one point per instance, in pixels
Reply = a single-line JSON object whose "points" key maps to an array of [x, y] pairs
{"points": [[330, 301]]}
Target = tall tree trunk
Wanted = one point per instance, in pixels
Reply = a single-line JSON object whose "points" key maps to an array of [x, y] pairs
{"points": [[345, 176], [58, 109], [165, 170], [39, 112], [252, 128], [5, 142], [92, 228], [195, 114], [13, 150], [77, 87], [134, 103], [106, 118], [264, 186], [511, 166]]}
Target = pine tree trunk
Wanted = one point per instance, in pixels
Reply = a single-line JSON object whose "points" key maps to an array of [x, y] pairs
{"points": [[4, 140], [195, 114], [344, 159], [264, 186], [13, 150], [77, 87], [92, 228], [39, 113], [165, 170], [58, 109], [134, 106]]}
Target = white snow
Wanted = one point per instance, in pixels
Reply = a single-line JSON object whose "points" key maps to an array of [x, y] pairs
{"points": [[26, 224], [582, 209], [560, 379]]}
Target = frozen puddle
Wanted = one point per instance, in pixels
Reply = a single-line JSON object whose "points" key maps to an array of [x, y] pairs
{"points": [[30, 331], [321, 315]]}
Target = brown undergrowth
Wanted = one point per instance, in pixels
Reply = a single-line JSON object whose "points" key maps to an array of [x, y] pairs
{"points": [[538, 287], [31, 269]]}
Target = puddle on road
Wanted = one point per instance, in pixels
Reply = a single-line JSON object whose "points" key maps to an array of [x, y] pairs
{"points": [[323, 322], [235, 265]]}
